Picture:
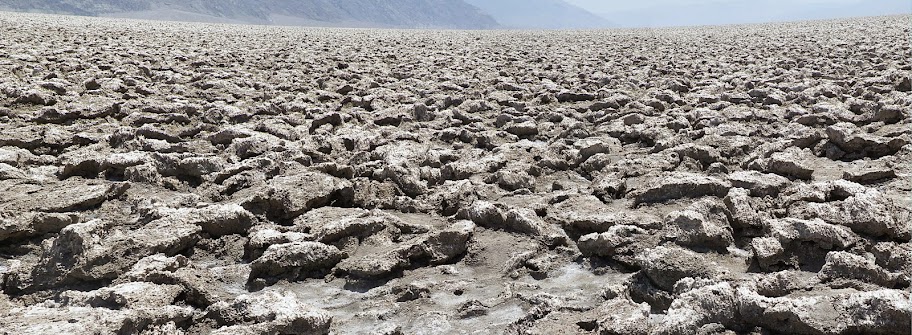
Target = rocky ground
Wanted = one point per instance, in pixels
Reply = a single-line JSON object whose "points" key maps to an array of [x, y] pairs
{"points": [[163, 178]]}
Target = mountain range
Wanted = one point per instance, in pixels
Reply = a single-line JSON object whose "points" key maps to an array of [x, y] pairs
{"points": [[458, 14], [545, 14]]}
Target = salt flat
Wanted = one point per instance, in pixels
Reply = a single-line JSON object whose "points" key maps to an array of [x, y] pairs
{"points": [[185, 178]]}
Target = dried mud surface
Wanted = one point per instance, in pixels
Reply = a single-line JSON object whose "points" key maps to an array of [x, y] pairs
{"points": [[163, 178]]}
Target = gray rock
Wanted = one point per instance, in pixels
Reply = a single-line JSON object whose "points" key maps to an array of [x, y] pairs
{"points": [[768, 251], [782, 283], [894, 256], [677, 185], [869, 175], [66, 196], [289, 196], [881, 312], [150, 268], [706, 155], [745, 211], [484, 214], [443, 246], [790, 163], [526, 221], [609, 186], [868, 212], [37, 97], [200, 166], [824, 235], [632, 119], [268, 312], [10, 172], [514, 180], [331, 224], [759, 184], [581, 215], [216, 220], [607, 244], [126, 295], [96, 250], [622, 316], [665, 266], [521, 220], [844, 265], [703, 224], [34, 224], [568, 96], [851, 139], [591, 147], [528, 128], [295, 260], [439, 247], [408, 180], [88, 320], [736, 98], [703, 306], [228, 135], [379, 263]]}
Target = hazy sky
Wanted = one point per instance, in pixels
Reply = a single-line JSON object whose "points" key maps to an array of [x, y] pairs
{"points": [[700, 12]]}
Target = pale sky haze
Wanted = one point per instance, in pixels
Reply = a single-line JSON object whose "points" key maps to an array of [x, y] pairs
{"points": [[707, 12]]}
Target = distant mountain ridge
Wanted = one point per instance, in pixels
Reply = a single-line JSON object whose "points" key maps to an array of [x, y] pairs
{"points": [[545, 14], [375, 13]]}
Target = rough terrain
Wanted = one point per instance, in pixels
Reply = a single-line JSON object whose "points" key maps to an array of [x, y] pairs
{"points": [[165, 178]]}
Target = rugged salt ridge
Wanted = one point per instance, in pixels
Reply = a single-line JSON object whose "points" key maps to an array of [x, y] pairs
{"points": [[161, 178]]}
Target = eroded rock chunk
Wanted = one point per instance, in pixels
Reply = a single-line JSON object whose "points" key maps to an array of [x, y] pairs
{"points": [[844, 265], [98, 250], [745, 211], [216, 220], [868, 212], [357, 224], [288, 196], [853, 140], [781, 283], [34, 224], [295, 260], [868, 175], [522, 220], [618, 239], [126, 295], [378, 260], [884, 312], [622, 316], [703, 224], [77, 320], [528, 128], [268, 312], [712, 304], [665, 266], [894, 256], [10, 172], [587, 214], [825, 235], [677, 185], [67, 196], [759, 184], [791, 163], [790, 239], [443, 246]]}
